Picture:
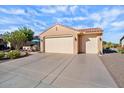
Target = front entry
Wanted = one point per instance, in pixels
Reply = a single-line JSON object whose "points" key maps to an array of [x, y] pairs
{"points": [[81, 44], [88, 44]]}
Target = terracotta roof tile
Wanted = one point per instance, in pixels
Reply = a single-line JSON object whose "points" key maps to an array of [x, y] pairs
{"points": [[91, 30]]}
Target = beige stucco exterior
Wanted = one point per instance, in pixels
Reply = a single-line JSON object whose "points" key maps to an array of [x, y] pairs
{"points": [[82, 42]]}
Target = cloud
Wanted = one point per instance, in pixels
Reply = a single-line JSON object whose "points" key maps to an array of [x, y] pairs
{"points": [[118, 25], [113, 36], [49, 11], [106, 17], [8, 29], [13, 20], [84, 10], [73, 9], [114, 12], [32, 12], [80, 26], [70, 19], [108, 20], [61, 8], [39, 22], [20, 11], [53, 9], [95, 16], [12, 11]]}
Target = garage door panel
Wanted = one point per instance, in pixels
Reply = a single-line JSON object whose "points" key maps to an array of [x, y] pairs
{"points": [[59, 45], [91, 45]]}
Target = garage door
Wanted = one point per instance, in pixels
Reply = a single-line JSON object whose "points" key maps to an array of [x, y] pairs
{"points": [[91, 45], [59, 45]]}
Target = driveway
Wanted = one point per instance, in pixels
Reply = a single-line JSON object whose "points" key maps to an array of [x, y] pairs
{"points": [[114, 62], [55, 70]]}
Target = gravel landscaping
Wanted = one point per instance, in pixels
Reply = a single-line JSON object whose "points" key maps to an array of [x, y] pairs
{"points": [[115, 65], [4, 56]]}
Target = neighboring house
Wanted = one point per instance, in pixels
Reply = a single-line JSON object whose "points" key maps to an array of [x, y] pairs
{"points": [[63, 39], [33, 45], [3, 44], [122, 41]]}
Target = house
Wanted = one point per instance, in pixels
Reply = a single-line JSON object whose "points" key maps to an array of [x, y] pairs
{"points": [[63, 39], [122, 41], [32, 45], [3, 44]]}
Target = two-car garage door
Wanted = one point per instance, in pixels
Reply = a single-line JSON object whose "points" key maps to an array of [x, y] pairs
{"points": [[59, 45]]}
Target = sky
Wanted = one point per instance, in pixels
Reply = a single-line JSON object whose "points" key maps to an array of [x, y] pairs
{"points": [[40, 18]]}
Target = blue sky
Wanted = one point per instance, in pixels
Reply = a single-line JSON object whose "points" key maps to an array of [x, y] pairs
{"points": [[39, 18]]}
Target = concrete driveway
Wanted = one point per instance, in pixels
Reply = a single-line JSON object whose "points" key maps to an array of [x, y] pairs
{"points": [[55, 70]]}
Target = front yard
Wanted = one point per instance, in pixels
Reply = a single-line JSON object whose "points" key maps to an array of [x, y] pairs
{"points": [[12, 54], [115, 65]]}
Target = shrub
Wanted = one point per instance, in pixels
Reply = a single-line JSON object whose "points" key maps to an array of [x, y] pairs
{"points": [[2, 54], [13, 54], [121, 51], [26, 53]]}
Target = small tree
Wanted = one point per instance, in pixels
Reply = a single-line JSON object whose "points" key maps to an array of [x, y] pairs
{"points": [[28, 32], [16, 38]]}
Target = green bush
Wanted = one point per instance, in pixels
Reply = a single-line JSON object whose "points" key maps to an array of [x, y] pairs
{"points": [[13, 54], [121, 51], [2, 54], [26, 53]]}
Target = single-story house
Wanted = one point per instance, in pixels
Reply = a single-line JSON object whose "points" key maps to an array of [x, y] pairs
{"points": [[3, 44], [33, 45], [122, 41], [63, 39]]}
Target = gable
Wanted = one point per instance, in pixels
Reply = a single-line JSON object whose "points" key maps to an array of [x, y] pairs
{"points": [[59, 30]]}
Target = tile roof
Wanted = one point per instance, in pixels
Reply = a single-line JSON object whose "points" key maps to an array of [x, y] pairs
{"points": [[91, 30], [86, 30]]}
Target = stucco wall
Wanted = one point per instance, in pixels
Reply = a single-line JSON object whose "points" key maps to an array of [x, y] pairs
{"points": [[100, 47], [80, 40], [90, 43], [60, 31], [82, 44]]}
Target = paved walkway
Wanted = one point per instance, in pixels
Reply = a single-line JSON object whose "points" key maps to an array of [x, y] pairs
{"points": [[55, 70]]}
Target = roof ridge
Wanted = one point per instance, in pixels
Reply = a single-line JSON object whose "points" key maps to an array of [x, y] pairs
{"points": [[97, 29], [90, 28]]}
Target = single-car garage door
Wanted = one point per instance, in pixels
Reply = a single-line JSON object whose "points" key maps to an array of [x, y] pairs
{"points": [[91, 45], [59, 45]]}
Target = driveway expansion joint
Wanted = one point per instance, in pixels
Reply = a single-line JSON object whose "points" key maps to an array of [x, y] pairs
{"points": [[110, 73], [62, 70], [61, 62], [41, 81], [59, 70]]}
